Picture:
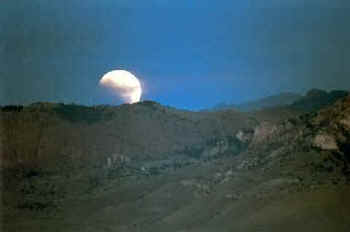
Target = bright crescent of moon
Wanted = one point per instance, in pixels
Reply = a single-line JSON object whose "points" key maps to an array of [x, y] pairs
{"points": [[123, 83]]}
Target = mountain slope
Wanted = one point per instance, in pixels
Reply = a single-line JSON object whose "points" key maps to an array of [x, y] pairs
{"points": [[314, 99], [145, 130], [278, 100], [317, 99], [294, 174]]}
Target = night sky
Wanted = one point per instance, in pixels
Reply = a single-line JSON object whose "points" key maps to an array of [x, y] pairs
{"points": [[188, 53]]}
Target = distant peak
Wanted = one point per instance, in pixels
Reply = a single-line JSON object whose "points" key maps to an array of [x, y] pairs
{"points": [[316, 93]]}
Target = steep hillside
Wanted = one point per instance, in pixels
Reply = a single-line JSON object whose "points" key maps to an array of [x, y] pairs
{"points": [[290, 175], [84, 147], [313, 101], [145, 130]]}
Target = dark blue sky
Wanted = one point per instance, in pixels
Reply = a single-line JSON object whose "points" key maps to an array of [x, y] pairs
{"points": [[188, 54]]}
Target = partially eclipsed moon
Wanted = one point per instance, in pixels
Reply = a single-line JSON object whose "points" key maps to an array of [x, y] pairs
{"points": [[124, 84]]}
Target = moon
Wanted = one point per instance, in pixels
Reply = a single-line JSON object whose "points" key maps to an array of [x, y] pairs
{"points": [[124, 84]]}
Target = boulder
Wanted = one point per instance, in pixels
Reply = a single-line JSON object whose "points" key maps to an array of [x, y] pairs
{"points": [[325, 142]]}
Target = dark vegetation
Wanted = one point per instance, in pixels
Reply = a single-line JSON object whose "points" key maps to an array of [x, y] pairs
{"points": [[12, 108], [69, 112], [194, 151], [76, 113], [317, 99]]}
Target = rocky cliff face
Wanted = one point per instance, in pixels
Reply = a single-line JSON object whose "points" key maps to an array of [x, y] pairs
{"points": [[332, 129], [325, 132]]}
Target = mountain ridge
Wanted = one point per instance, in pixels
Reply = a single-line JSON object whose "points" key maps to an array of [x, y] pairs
{"points": [[281, 99], [305, 102], [228, 170]]}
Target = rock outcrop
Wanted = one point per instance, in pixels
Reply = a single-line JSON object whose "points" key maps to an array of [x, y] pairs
{"points": [[325, 142]]}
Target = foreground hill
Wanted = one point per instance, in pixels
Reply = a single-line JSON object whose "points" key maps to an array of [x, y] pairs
{"points": [[47, 134], [256, 175]]}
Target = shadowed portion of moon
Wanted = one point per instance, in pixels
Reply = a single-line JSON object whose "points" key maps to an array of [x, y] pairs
{"points": [[123, 84]]}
